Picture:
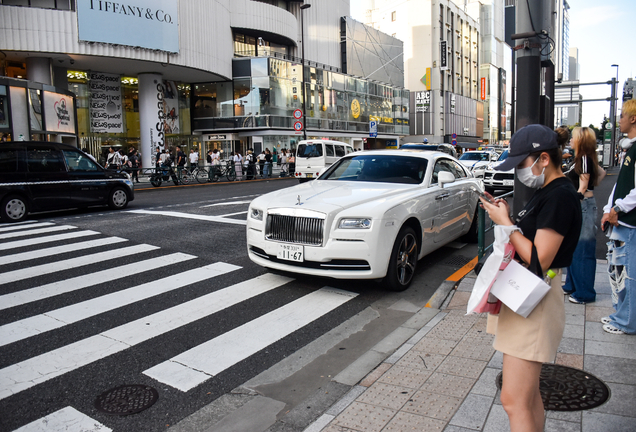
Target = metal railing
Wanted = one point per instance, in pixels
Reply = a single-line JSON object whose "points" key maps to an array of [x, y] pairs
{"points": [[482, 230]]}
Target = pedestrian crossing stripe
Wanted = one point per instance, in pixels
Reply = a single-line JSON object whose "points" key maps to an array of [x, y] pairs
{"points": [[39, 369], [67, 419], [56, 250], [13, 234], [47, 239], [193, 367], [58, 318], [192, 216], [85, 281], [19, 227], [39, 270]]}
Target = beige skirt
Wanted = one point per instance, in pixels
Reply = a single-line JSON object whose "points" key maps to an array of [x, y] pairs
{"points": [[537, 337]]}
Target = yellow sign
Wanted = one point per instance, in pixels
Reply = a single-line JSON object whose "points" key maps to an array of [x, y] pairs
{"points": [[428, 78], [355, 108]]}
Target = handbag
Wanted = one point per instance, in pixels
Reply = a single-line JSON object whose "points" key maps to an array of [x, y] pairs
{"points": [[520, 288], [481, 300]]}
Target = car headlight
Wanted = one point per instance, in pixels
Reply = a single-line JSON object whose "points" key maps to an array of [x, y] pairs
{"points": [[256, 214], [355, 223]]}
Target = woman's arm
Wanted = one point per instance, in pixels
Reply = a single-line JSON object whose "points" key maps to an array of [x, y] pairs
{"points": [[584, 180]]}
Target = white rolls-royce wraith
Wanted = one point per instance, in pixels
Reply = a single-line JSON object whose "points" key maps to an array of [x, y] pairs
{"points": [[371, 215]]}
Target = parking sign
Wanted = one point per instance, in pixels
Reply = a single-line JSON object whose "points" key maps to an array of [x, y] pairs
{"points": [[373, 129]]}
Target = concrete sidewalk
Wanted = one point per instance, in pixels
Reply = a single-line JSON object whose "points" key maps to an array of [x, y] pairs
{"points": [[443, 378]]}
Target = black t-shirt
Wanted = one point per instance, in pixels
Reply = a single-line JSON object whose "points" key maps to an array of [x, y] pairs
{"points": [[586, 168], [181, 158], [556, 207]]}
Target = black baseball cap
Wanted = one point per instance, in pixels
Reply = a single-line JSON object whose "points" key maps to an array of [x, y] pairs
{"points": [[527, 140]]}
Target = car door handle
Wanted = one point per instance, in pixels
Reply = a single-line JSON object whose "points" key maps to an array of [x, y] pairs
{"points": [[442, 196]]}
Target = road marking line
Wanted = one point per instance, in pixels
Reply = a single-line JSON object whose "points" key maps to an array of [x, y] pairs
{"points": [[58, 318], [18, 223], [84, 281], [29, 272], [36, 231], [36, 370], [233, 214], [227, 203], [48, 239], [191, 216], [73, 247], [19, 227], [67, 419], [191, 368]]}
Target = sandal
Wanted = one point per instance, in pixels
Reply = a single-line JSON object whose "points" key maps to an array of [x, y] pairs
{"points": [[606, 320], [612, 330]]}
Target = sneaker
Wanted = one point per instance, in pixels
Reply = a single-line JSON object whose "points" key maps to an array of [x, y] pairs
{"points": [[575, 301], [606, 320], [612, 330]]}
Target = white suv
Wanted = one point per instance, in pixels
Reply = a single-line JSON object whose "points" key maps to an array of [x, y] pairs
{"points": [[499, 180], [477, 160]]}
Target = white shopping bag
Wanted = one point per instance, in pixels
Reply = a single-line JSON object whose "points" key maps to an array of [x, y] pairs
{"points": [[519, 289], [480, 300]]}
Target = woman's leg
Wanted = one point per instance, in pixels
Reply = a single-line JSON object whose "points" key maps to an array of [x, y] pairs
{"points": [[520, 394]]}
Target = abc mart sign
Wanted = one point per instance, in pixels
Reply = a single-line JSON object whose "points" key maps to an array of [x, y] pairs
{"points": [[152, 24]]}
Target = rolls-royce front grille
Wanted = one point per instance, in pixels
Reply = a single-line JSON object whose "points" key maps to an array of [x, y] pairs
{"points": [[294, 229]]}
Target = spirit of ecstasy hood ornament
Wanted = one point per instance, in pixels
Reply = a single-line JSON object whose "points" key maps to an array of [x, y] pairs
{"points": [[298, 198]]}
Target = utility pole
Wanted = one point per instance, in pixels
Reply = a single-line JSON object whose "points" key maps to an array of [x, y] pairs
{"points": [[532, 19]]}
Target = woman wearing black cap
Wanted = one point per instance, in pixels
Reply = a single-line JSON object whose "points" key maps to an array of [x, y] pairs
{"points": [[551, 223]]}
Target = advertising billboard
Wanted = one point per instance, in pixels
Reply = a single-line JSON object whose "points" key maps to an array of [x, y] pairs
{"points": [[59, 113]]}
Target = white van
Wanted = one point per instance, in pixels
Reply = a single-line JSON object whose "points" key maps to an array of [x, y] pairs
{"points": [[314, 155]]}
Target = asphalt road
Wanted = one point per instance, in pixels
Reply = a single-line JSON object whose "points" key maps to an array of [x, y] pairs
{"points": [[76, 323]]}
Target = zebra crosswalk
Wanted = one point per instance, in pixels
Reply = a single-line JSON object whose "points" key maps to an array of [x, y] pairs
{"points": [[31, 253]]}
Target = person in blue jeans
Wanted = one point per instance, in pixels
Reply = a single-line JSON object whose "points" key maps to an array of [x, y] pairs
{"points": [[620, 214], [584, 175], [268, 164]]}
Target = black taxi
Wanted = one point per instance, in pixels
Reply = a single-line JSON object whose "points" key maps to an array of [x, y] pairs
{"points": [[44, 176]]}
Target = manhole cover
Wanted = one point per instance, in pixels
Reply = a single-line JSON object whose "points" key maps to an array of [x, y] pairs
{"points": [[126, 400], [567, 389], [457, 261]]}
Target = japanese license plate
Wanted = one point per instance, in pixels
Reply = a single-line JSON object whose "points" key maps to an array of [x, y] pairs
{"points": [[291, 252], [508, 182], [309, 175]]}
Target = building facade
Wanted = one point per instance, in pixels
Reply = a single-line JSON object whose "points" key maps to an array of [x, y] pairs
{"points": [[441, 66], [224, 74]]}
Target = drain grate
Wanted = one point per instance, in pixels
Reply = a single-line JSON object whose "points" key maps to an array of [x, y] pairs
{"points": [[457, 261], [126, 399], [567, 389]]}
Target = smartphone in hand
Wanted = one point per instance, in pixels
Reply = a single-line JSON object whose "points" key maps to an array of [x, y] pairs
{"points": [[606, 226], [487, 197]]}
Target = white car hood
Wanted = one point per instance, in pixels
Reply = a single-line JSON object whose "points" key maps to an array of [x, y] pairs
{"points": [[332, 195], [496, 164]]}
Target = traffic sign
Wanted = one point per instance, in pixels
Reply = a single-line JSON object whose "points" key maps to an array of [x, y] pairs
{"points": [[454, 142], [298, 114], [454, 136], [298, 126], [373, 129]]}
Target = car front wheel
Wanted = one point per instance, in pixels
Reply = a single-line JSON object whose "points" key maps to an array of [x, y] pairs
{"points": [[403, 261], [14, 209], [118, 199]]}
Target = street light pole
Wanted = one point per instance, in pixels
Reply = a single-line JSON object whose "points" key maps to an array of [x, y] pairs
{"points": [[613, 106], [302, 34]]}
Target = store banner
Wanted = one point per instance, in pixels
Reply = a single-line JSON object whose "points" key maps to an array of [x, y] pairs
{"points": [[422, 101], [106, 114], [171, 107], [152, 24], [443, 55], [59, 113], [152, 118]]}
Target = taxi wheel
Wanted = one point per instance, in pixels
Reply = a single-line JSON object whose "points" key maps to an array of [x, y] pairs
{"points": [[403, 261], [118, 199], [14, 209]]}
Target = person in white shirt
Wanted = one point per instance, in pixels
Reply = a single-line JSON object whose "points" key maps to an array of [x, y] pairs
{"points": [[114, 159], [238, 165], [194, 160]]}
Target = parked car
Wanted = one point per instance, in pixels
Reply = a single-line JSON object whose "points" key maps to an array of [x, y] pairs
{"points": [[499, 180], [446, 148], [371, 215], [314, 155], [477, 160], [43, 176]]}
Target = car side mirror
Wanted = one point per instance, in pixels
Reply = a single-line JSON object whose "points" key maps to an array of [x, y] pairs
{"points": [[445, 177]]}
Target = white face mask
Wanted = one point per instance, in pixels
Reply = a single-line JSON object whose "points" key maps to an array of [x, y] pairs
{"points": [[527, 177]]}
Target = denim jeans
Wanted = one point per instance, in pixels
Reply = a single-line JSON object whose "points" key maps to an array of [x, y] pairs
{"points": [[268, 170], [582, 271], [621, 259]]}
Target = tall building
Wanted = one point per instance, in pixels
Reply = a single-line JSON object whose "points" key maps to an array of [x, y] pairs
{"points": [[628, 89], [569, 114], [224, 74], [441, 59]]}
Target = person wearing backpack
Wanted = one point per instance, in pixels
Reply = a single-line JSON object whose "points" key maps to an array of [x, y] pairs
{"points": [[114, 159]]}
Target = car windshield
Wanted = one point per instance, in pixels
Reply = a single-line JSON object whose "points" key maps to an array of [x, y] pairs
{"points": [[474, 156], [378, 168], [309, 150], [503, 156]]}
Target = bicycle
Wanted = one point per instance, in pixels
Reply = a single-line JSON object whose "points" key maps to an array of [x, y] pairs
{"points": [[218, 171], [201, 175]]}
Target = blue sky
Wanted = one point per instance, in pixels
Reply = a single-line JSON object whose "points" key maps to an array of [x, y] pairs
{"points": [[603, 32]]}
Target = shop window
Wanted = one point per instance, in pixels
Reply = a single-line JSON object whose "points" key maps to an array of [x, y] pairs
{"points": [[4, 109]]}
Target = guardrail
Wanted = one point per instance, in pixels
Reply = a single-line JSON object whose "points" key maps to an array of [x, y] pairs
{"points": [[482, 230]]}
